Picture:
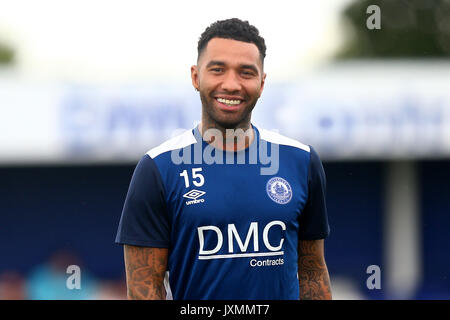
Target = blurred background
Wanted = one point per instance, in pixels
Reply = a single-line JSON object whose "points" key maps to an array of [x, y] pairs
{"points": [[87, 87]]}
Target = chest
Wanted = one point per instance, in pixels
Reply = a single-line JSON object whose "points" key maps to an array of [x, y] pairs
{"points": [[221, 195]]}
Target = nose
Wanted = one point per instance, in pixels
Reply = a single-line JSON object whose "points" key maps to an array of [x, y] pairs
{"points": [[231, 82]]}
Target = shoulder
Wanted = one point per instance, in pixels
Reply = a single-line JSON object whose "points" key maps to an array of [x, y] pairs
{"points": [[178, 142], [277, 138]]}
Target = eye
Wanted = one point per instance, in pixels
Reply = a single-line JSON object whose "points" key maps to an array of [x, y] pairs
{"points": [[216, 69], [248, 73]]}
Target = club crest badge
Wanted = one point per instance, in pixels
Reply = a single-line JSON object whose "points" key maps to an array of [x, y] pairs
{"points": [[279, 190]]}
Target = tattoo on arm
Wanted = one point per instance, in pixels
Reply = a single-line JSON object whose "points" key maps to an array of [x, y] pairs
{"points": [[313, 276], [145, 269]]}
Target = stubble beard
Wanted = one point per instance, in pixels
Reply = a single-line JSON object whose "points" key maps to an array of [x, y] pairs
{"points": [[211, 120]]}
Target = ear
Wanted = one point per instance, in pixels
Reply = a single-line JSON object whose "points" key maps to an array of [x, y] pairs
{"points": [[194, 77], [263, 81]]}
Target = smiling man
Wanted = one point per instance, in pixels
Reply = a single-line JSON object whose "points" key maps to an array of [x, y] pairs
{"points": [[229, 76], [202, 229]]}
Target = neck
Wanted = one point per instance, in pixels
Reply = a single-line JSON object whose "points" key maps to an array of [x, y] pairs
{"points": [[228, 139]]}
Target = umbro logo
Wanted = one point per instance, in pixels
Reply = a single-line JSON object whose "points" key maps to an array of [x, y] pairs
{"points": [[194, 194]]}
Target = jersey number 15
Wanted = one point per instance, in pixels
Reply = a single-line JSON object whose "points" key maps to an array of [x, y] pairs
{"points": [[197, 178]]}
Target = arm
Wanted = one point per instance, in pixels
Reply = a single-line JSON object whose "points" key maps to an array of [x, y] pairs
{"points": [[145, 269], [313, 275]]}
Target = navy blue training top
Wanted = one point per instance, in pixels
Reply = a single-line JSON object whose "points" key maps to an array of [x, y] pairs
{"points": [[231, 220]]}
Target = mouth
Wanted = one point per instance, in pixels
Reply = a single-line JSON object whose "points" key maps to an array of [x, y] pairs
{"points": [[230, 103]]}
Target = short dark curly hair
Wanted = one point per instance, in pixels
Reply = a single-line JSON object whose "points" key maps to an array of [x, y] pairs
{"points": [[234, 29]]}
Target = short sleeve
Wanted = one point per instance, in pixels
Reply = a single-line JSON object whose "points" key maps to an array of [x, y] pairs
{"points": [[313, 221], [144, 220]]}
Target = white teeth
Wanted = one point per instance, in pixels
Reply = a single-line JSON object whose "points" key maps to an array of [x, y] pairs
{"points": [[229, 102]]}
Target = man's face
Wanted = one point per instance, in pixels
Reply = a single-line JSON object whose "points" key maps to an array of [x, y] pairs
{"points": [[229, 76]]}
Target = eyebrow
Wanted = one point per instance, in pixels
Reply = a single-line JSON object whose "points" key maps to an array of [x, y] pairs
{"points": [[242, 66], [215, 63]]}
